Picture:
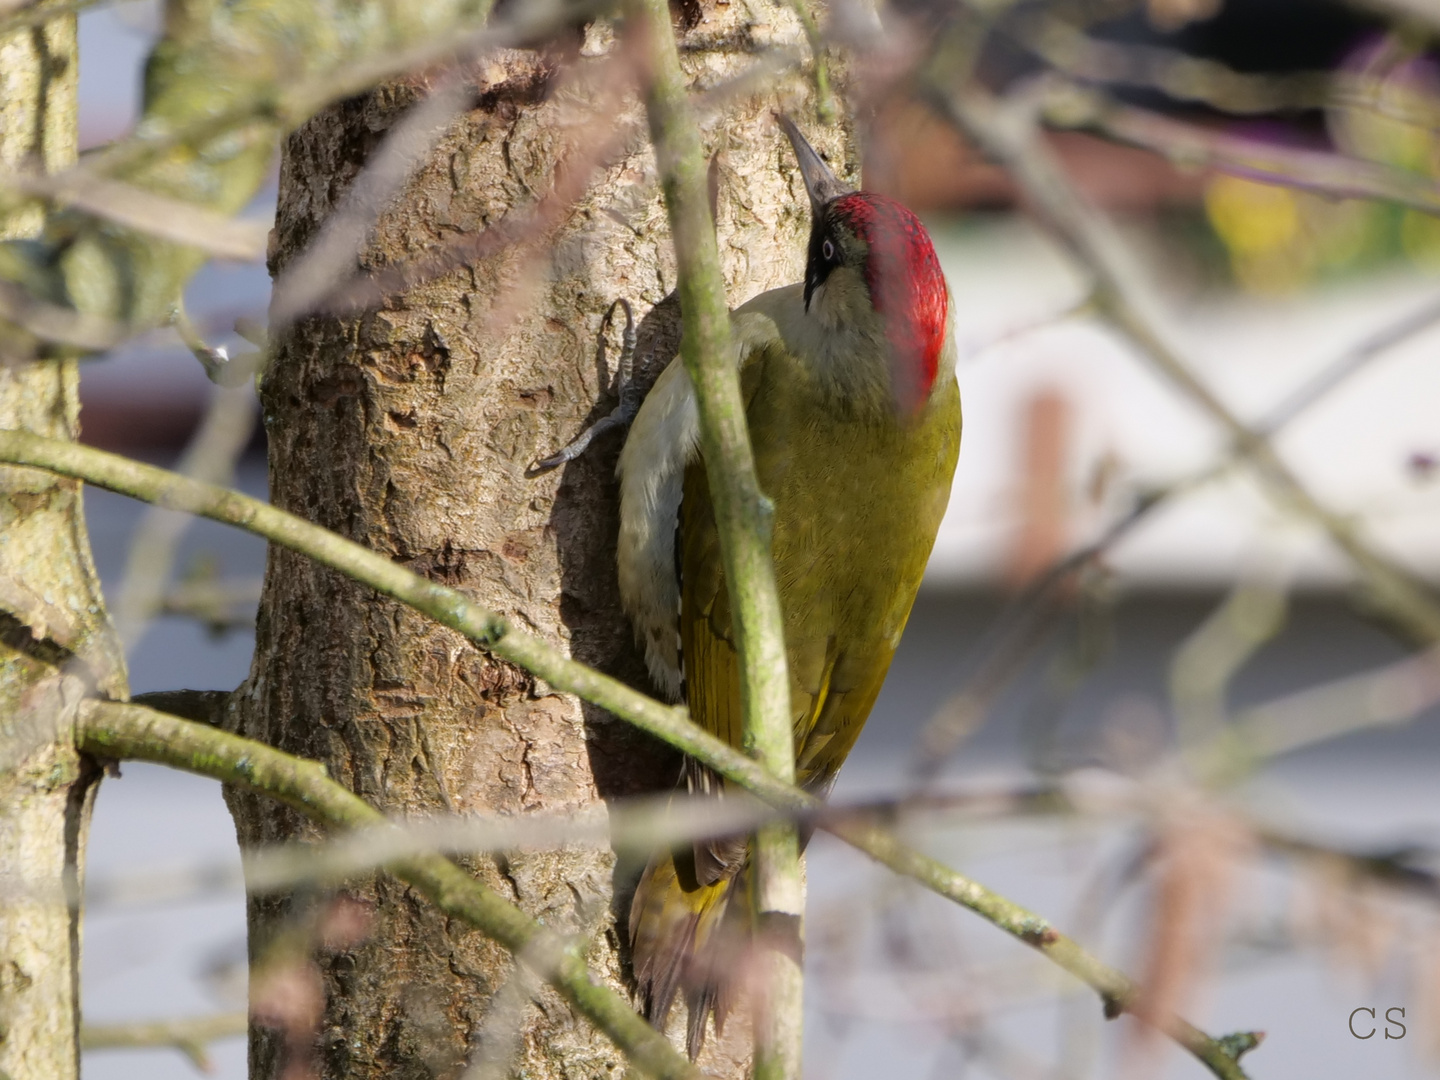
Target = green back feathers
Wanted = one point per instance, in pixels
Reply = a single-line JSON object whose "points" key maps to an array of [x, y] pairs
{"points": [[858, 498]]}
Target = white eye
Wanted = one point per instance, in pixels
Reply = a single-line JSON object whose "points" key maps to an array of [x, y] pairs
{"points": [[827, 249]]}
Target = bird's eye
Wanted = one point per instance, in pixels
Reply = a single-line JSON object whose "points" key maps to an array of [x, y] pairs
{"points": [[827, 249]]}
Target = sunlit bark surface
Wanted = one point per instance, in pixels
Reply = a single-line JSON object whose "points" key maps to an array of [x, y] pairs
{"points": [[54, 637], [410, 429]]}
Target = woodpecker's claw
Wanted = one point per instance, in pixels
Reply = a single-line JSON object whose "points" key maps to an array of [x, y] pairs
{"points": [[632, 393], [220, 367]]}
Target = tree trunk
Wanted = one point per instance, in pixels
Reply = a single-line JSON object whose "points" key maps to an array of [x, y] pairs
{"points": [[55, 641], [409, 429]]}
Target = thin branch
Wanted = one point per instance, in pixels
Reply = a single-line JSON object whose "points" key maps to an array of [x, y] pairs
{"points": [[1021, 626], [1009, 134], [190, 1035], [598, 143], [1409, 867], [1348, 363], [639, 825], [824, 101], [598, 146], [1178, 75], [1192, 146], [1020, 630], [1117, 991], [54, 323], [1204, 664], [211, 456], [146, 212], [743, 518], [670, 724], [205, 706], [1393, 694], [132, 732], [501, 1034], [448, 606]]}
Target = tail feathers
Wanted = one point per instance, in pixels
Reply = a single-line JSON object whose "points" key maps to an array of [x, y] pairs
{"points": [[690, 940]]}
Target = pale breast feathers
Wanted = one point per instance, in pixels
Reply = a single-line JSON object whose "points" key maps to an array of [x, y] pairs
{"points": [[663, 439]]}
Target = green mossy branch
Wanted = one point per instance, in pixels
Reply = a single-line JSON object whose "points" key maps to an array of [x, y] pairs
{"points": [[743, 519], [135, 733], [667, 723], [742, 512]]}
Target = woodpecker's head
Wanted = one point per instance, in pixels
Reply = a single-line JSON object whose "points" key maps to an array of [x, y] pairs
{"points": [[872, 254]]}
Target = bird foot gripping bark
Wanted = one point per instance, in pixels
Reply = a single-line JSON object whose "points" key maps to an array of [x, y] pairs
{"points": [[631, 391]]}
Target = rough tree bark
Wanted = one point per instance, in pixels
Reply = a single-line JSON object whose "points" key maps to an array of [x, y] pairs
{"points": [[410, 429], [55, 640]]}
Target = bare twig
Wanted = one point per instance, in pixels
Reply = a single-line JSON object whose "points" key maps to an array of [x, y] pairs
{"points": [[63, 326], [1348, 363], [824, 103], [597, 144], [146, 212], [1178, 75], [500, 1036], [211, 457], [1020, 630], [191, 1035], [1390, 695], [1022, 626], [1192, 146], [639, 825], [1410, 867], [287, 106], [1205, 663]]}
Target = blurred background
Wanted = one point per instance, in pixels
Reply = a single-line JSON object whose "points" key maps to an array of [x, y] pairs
{"points": [[1314, 318]]}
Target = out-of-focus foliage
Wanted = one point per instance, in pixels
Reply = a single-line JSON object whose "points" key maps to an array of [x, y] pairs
{"points": [[1280, 239]]}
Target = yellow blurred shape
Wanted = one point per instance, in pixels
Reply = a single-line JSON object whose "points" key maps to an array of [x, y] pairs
{"points": [[1251, 218], [1420, 237]]}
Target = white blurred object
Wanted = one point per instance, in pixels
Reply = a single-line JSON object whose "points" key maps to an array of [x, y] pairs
{"points": [[1366, 450]]}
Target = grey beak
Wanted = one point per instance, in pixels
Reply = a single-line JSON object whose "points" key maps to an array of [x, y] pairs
{"points": [[822, 184]]}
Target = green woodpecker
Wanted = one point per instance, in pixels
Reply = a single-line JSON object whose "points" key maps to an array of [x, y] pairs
{"points": [[849, 385]]}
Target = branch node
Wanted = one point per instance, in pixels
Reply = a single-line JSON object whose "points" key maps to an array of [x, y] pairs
{"points": [[1239, 1043]]}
